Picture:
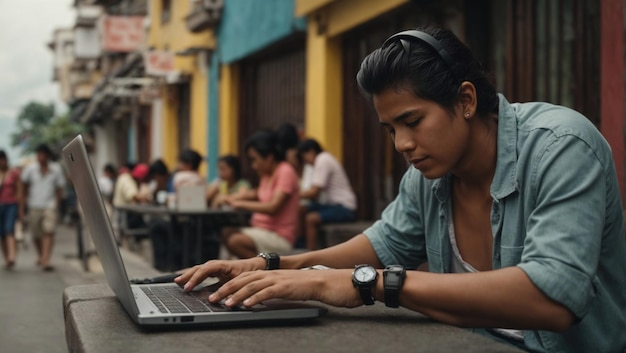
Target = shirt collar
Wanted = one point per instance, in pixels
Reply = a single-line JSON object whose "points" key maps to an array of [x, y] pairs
{"points": [[505, 180]]}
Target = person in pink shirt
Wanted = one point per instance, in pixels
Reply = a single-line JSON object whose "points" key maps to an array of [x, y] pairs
{"points": [[10, 196], [274, 204]]}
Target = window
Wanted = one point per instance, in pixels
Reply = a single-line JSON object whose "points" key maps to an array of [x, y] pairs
{"points": [[166, 10]]}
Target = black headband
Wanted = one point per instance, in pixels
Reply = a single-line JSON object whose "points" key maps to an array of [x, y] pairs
{"points": [[432, 42]]}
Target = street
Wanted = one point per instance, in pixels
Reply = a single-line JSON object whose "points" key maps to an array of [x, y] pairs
{"points": [[31, 299]]}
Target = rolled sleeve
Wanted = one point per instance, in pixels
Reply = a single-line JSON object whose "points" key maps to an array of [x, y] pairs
{"points": [[398, 237], [565, 228]]}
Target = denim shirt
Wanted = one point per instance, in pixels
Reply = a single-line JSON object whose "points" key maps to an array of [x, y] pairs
{"points": [[556, 214]]}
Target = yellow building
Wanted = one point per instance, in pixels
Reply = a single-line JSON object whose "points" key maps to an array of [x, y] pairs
{"points": [[328, 20], [182, 112]]}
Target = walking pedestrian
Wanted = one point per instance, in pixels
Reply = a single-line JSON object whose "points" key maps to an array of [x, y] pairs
{"points": [[10, 196], [44, 182]]}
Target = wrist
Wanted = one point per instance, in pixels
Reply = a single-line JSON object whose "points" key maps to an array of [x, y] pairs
{"points": [[272, 260], [259, 263], [379, 289]]}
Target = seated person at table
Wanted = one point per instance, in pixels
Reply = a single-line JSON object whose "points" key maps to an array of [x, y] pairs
{"points": [[126, 191], [159, 226], [330, 192], [274, 204], [187, 172], [229, 182], [289, 137], [514, 207], [106, 184], [161, 180]]}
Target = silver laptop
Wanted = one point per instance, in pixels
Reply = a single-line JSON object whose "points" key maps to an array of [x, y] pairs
{"points": [[163, 304], [191, 198]]}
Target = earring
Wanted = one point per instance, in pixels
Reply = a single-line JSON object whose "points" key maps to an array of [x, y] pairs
{"points": [[467, 114]]}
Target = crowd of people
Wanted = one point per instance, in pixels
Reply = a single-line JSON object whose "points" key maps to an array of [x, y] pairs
{"points": [[299, 186]]}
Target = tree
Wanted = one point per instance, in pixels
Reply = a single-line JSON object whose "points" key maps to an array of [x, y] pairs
{"points": [[37, 124], [60, 131], [32, 121]]}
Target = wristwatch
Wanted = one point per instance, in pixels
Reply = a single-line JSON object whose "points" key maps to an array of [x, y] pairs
{"points": [[272, 260], [393, 279], [364, 278]]}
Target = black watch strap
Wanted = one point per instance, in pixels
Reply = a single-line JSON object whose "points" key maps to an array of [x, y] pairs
{"points": [[393, 279], [366, 295], [272, 260]]}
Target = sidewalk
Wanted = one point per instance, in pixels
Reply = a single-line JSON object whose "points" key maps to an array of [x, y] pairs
{"points": [[31, 300]]}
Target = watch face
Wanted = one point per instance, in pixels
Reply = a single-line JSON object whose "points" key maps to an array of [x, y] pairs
{"points": [[365, 274]]}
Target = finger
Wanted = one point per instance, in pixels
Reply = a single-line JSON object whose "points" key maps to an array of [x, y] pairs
{"points": [[196, 275], [267, 288], [261, 286], [261, 296], [185, 276], [232, 287]]}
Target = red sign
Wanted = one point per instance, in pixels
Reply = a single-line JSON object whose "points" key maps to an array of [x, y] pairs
{"points": [[159, 63], [122, 33]]}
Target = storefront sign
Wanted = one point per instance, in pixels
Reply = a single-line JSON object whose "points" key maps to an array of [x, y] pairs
{"points": [[159, 63], [122, 33]]}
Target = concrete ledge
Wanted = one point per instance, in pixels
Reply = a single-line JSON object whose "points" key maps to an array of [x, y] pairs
{"points": [[96, 322]]}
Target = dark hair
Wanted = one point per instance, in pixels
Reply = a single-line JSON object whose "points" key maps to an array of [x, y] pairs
{"points": [[3, 155], [308, 145], [233, 162], [416, 64], [266, 143], [109, 168], [288, 136], [191, 157], [158, 167], [43, 148], [129, 165]]}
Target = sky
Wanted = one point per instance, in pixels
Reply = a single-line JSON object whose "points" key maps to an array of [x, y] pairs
{"points": [[26, 27]]}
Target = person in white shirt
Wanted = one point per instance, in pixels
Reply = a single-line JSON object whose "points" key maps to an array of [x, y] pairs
{"points": [[330, 192], [187, 173], [106, 182], [44, 182]]}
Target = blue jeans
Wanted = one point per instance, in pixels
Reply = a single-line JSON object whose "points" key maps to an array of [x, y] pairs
{"points": [[332, 213], [8, 216]]}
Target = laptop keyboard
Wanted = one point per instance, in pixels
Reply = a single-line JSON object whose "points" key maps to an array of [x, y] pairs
{"points": [[175, 300]]}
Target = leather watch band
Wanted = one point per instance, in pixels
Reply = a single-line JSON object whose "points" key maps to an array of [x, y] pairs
{"points": [[366, 295]]}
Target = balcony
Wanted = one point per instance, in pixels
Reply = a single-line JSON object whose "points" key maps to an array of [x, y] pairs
{"points": [[204, 15]]}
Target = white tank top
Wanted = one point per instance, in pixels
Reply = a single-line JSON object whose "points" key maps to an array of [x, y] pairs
{"points": [[458, 265]]}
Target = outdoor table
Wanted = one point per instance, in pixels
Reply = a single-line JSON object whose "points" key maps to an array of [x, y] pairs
{"points": [[209, 218]]}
